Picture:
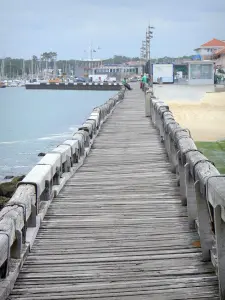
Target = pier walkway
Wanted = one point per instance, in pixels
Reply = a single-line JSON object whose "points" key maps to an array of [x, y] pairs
{"points": [[117, 230]]}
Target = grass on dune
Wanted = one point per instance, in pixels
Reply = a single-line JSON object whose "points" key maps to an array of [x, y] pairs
{"points": [[214, 151]]}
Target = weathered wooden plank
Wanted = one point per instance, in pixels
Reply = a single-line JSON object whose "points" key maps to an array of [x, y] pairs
{"points": [[117, 229]]}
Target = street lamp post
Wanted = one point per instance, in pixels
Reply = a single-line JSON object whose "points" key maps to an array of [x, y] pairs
{"points": [[143, 54], [146, 50], [149, 36], [91, 62]]}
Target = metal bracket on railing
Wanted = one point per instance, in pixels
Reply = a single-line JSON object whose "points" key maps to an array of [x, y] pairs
{"points": [[36, 189], [163, 106], [24, 230], [180, 138], [190, 150], [8, 253], [162, 116], [200, 161], [172, 122], [180, 130]]}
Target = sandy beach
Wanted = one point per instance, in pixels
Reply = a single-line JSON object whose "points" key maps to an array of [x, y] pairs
{"points": [[204, 118]]}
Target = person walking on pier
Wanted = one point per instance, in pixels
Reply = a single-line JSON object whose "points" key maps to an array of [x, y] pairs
{"points": [[141, 81]]}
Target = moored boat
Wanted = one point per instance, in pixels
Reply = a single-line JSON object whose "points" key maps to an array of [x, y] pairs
{"points": [[2, 85]]}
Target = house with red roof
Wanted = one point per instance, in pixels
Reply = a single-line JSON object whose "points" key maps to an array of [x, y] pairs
{"points": [[207, 50], [219, 56]]}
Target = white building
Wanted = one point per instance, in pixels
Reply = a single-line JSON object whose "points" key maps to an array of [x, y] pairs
{"points": [[207, 50], [118, 71], [200, 72]]}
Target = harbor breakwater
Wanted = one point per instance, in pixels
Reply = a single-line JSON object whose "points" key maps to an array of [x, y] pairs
{"points": [[104, 86]]}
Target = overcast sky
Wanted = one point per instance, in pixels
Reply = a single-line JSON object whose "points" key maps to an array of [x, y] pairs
{"points": [[116, 26]]}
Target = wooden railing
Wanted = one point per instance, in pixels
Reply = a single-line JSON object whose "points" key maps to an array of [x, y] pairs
{"points": [[20, 218], [202, 187]]}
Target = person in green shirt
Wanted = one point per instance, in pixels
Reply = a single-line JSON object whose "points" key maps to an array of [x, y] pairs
{"points": [[144, 78], [124, 81], [144, 81]]}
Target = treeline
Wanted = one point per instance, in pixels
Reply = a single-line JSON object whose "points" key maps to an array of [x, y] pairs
{"points": [[119, 59], [13, 67]]}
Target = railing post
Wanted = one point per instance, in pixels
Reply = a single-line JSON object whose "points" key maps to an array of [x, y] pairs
{"points": [[204, 224], [173, 154], [181, 173], [220, 246], [191, 198], [17, 246], [147, 104], [32, 219]]}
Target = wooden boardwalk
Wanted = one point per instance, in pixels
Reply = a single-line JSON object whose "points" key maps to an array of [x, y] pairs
{"points": [[117, 230]]}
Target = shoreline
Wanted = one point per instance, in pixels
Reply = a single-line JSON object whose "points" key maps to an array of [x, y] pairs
{"points": [[8, 188]]}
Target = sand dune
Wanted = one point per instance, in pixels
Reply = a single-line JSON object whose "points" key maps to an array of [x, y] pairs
{"points": [[205, 118]]}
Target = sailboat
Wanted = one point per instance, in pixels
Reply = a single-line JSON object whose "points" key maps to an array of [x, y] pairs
{"points": [[2, 84]]}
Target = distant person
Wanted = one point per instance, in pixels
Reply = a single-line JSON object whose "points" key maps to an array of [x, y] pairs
{"points": [[141, 81], [144, 78], [144, 81], [127, 86]]}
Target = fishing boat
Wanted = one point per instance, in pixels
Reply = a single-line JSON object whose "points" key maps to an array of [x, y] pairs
{"points": [[55, 80], [2, 85]]}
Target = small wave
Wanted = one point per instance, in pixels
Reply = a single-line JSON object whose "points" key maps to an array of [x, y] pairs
{"points": [[11, 142], [20, 167], [55, 136], [75, 128], [5, 167]]}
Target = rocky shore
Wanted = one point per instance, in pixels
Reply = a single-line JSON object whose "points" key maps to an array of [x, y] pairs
{"points": [[7, 189]]}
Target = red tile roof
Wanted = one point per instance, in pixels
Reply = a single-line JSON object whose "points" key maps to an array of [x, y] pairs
{"points": [[219, 52], [214, 43]]}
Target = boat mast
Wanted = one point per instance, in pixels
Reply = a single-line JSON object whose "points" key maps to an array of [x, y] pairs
{"points": [[91, 58], [32, 68], [2, 75], [55, 67], [23, 70]]}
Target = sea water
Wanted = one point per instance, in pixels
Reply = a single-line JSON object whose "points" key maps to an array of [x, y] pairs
{"points": [[34, 121]]}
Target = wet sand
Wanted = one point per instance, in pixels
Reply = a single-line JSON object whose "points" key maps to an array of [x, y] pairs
{"points": [[204, 118]]}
